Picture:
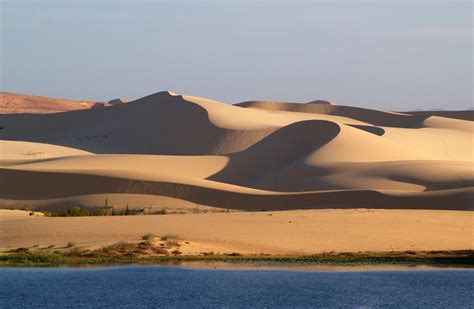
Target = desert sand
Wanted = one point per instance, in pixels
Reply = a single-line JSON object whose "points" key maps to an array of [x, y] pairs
{"points": [[248, 156], [190, 154], [15, 103], [296, 232]]}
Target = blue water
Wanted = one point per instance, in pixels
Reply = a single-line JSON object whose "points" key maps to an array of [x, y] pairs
{"points": [[158, 287]]}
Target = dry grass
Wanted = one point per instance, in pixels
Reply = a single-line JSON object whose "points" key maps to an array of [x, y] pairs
{"points": [[176, 252], [170, 240], [120, 247], [167, 237], [149, 237], [70, 244]]}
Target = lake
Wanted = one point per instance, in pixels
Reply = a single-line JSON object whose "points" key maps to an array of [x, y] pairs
{"points": [[164, 286]]}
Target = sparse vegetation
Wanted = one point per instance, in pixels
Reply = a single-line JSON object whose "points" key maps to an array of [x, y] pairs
{"points": [[130, 253], [144, 245], [18, 250], [172, 243], [120, 247], [207, 253], [234, 254], [76, 212], [34, 258], [170, 240], [75, 251], [159, 250], [167, 237], [148, 236], [106, 210], [70, 244], [83, 212]]}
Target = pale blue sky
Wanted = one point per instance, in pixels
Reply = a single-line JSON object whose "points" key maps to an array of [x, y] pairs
{"points": [[389, 55]]}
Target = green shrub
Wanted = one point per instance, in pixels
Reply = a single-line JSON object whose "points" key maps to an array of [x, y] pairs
{"points": [[77, 211], [45, 257], [74, 252], [119, 246], [70, 212]]}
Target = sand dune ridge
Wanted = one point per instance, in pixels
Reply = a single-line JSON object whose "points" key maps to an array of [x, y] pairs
{"points": [[253, 155]]}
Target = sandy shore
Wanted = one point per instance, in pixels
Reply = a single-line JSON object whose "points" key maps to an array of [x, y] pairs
{"points": [[301, 232]]}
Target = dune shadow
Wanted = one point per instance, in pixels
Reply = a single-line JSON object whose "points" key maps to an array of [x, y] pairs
{"points": [[413, 120], [370, 129], [160, 123], [276, 151]]}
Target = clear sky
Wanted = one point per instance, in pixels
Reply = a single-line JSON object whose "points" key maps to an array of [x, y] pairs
{"points": [[387, 55]]}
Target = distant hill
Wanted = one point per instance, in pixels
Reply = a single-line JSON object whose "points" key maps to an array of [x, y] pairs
{"points": [[15, 103]]}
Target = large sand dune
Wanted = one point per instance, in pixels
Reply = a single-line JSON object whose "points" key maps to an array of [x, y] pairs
{"points": [[255, 155]]}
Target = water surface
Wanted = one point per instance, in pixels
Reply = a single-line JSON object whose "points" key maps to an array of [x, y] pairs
{"points": [[161, 286]]}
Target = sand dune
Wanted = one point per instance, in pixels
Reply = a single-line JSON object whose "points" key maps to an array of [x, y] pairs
{"points": [[15, 152], [254, 155]]}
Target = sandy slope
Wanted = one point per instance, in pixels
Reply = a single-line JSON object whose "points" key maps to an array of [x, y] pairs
{"points": [[15, 103], [248, 156], [15, 152], [287, 232]]}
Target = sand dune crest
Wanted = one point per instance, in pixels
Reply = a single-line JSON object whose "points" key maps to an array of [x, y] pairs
{"points": [[253, 155]]}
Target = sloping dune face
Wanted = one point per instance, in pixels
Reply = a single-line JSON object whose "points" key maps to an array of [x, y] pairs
{"points": [[256, 155]]}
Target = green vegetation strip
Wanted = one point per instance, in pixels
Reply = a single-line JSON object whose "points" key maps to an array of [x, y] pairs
{"points": [[85, 212], [104, 257]]}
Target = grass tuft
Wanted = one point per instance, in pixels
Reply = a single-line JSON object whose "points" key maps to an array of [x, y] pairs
{"points": [[119, 246], [169, 237], [149, 237], [70, 244], [170, 240]]}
